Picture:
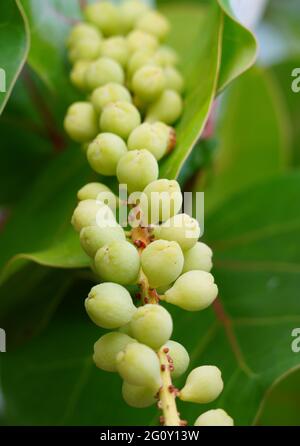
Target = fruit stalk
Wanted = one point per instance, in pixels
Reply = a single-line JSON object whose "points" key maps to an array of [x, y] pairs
{"points": [[167, 393]]}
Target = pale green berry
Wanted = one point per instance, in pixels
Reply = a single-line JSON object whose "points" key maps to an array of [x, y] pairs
{"points": [[82, 31], [137, 168], [165, 56], [92, 238], [120, 117], [139, 365], [105, 16], [193, 291], [140, 40], [198, 258], [163, 200], [91, 213], [126, 329], [203, 385], [102, 71], [174, 80], [152, 325], [181, 228], [138, 396], [98, 191], [107, 348], [85, 49], [215, 417], [154, 23], [105, 152], [118, 262], [109, 305], [140, 59], [148, 83], [81, 122], [110, 92], [78, 73], [180, 358], [150, 137], [167, 108], [130, 11], [116, 48], [162, 262]]}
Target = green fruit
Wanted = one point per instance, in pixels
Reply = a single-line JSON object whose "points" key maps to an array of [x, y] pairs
{"points": [[165, 56], [105, 16], [78, 73], [100, 192], [198, 258], [167, 108], [162, 262], [140, 59], [137, 396], [154, 23], [217, 417], [203, 385], [91, 213], [139, 365], [140, 40], [137, 169], [105, 152], [103, 71], [81, 122], [82, 31], [120, 117], [118, 262], [148, 83], [109, 305], [180, 358], [116, 48], [174, 80], [108, 93], [85, 49], [181, 229], [152, 325], [193, 291], [163, 199], [107, 348], [130, 11], [92, 238], [149, 137]]}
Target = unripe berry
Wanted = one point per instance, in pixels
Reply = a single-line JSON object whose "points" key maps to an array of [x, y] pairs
{"points": [[139, 365], [165, 56], [150, 137], [108, 93], [198, 258], [115, 48], [148, 83], [130, 11], [92, 238], [152, 325], [182, 229], [137, 169], [203, 385], [167, 108], [140, 59], [154, 23], [193, 291], [164, 199], [100, 192], [105, 16], [180, 358], [81, 122], [78, 73], [82, 31], [120, 117], [91, 213], [105, 152], [85, 49], [102, 71], [138, 396], [118, 262], [217, 417], [174, 80], [109, 305], [162, 262], [107, 348], [140, 40]]}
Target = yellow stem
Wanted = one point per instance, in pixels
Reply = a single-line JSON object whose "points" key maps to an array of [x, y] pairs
{"points": [[167, 394]]}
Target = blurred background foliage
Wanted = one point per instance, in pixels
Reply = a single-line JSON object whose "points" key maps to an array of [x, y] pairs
{"points": [[247, 163]]}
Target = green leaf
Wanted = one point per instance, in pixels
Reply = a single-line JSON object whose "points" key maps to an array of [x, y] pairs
{"points": [[14, 40], [253, 138]]}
